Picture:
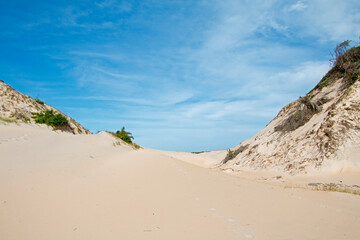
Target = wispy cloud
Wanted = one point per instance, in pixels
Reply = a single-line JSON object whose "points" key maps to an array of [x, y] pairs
{"points": [[299, 6], [242, 70], [179, 68]]}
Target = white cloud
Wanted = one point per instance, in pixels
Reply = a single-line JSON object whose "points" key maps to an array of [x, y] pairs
{"points": [[247, 64], [304, 76], [299, 6], [102, 54], [328, 20]]}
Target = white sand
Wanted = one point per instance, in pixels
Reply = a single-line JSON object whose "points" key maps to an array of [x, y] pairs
{"points": [[62, 186]]}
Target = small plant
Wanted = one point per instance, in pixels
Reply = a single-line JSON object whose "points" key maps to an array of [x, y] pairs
{"points": [[232, 154], [337, 54], [355, 76], [136, 146], [39, 101], [49, 118], [199, 152], [116, 143], [328, 133]]}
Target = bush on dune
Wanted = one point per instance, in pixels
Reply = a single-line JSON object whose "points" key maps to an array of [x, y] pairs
{"points": [[124, 135], [48, 117]]}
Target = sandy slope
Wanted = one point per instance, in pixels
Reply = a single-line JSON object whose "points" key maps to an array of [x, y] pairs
{"points": [[62, 186], [329, 138]]}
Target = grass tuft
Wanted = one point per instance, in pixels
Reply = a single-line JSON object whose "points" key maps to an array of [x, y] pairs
{"points": [[8, 120], [332, 187]]}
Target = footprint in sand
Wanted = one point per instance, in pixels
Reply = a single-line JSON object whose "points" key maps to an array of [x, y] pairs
{"points": [[247, 233], [249, 236], [23, 137], [230, 219]]}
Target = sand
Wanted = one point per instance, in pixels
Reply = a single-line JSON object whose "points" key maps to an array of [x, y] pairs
{"points": [[62, 186]]}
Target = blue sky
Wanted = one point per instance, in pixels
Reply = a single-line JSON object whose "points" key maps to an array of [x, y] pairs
{"points": [[180, 75]]}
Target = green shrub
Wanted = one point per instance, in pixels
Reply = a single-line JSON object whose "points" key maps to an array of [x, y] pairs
{"points": [[124, 135], [49, 118], [355, 76]]}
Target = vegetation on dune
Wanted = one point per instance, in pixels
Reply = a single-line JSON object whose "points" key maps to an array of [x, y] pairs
{"points": [[39, 101], [8, 120], [233, 153], [199, 152], [345, 64], [333, 187], [48, 117], [126, 137]]}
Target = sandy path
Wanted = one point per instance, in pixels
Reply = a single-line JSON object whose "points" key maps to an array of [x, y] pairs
{"points": [[82, 187]]}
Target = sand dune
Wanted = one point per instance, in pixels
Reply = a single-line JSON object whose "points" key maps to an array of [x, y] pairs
{"points": [[63, 186]]}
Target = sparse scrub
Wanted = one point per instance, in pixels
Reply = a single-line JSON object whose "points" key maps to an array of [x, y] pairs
{"points": [[355, 76], [8, 120], [332, 187], [324, 82], [328, 133], [39, 101], [199, 152], [331, 113], [345, 64], [232, 154], [136, 146], [330, 123], [116, 143], [301, 115], [337, 55], [49, 118]]}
